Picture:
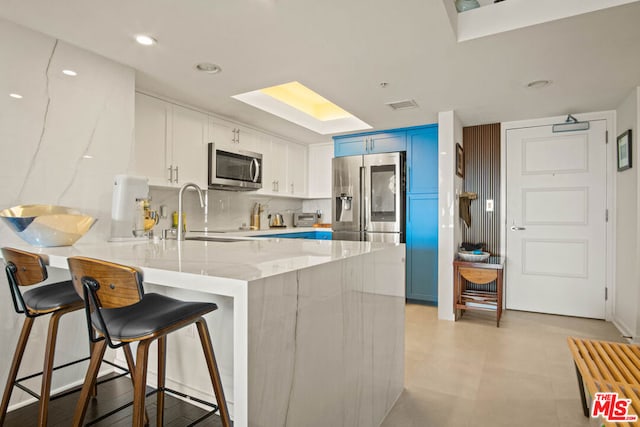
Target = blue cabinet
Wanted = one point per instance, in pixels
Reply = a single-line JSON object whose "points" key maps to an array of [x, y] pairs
{"points": [[422, 160], [421, 146], [370, 143], [422, 214], [422, 247], [316, 235]]}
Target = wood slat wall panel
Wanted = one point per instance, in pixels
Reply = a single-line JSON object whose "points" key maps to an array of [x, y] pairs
{"points": [[482, 176]]}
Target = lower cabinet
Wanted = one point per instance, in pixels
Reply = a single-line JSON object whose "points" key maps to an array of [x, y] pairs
{"points": [[315, 235], [422, 247]]}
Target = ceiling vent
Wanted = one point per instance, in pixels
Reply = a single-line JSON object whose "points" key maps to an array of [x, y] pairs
{"points": [[403, 105]]}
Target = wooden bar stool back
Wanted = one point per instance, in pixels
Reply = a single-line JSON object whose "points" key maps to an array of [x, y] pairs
{"points": [[25, 269], [121, 313]]}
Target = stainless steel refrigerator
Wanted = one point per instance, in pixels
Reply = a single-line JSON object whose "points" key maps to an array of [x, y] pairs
{"points": [[369, 198]]}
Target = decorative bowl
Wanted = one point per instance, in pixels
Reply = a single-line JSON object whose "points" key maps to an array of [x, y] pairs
{"points": [[47, 225], [473, 257]]}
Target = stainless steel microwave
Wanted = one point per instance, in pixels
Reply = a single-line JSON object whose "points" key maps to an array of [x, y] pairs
{"points": [[233, 169]]}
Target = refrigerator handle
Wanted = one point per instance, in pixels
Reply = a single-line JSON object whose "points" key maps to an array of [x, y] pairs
{"points": [[363, 202]]}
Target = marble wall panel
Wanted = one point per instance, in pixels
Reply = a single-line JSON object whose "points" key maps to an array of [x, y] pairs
{"points": [[335, 352], [61, 143]]}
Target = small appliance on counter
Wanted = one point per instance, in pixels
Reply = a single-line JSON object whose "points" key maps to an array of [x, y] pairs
{"points": [[276, 221], [305, 219], [131, 217]]}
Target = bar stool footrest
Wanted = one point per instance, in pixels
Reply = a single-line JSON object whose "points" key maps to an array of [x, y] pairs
{"points": [[215, 408]]}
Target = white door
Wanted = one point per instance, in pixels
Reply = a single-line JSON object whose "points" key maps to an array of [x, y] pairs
{"points": [[556, 231]]}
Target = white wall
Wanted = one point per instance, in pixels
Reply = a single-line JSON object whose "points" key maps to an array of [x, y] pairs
{"points": [[627, 210], [43, 138], [450, 232]]}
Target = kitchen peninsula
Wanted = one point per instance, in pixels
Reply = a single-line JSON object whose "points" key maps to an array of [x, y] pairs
{"points": [[309, 332]]}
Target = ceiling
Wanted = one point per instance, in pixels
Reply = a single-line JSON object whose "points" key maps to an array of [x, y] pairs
{"points": [[345, 49]]}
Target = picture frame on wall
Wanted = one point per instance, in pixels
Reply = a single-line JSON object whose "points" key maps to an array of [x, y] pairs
{"points": [[624, 150], [459, 160]]}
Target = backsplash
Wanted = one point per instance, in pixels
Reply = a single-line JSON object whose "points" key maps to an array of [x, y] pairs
{"points": [[323, 205], [226, 210]]}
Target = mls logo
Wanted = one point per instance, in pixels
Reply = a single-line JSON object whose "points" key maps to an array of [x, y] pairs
{"points": [[611, 408]]}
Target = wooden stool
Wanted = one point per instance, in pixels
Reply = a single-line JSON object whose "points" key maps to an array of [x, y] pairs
{"points": [[119, 310], [26, 269]]}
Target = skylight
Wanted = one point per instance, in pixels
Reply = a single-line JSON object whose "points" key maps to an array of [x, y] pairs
{"points": [[298, 104]]}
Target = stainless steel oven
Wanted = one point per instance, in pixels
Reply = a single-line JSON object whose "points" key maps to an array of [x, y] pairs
{"points": [[233, 169]]}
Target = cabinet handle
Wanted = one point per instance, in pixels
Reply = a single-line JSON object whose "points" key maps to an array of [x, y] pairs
{"points": [[366, 145], [373, 142], [170, 173], [278, 185], [176, 181], [292, 188], [238, 138]]}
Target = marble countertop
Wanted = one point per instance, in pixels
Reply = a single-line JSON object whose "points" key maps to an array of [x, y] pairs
{"points": [[245, 260]]}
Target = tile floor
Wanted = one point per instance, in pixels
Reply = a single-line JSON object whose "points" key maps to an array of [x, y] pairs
{"points": [[470, 373]]}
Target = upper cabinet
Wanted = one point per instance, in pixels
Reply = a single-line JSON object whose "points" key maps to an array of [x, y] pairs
{"points": [[285, 169], [188, 148], [297, 169], [319, 176], [228, 134], [171, 148], [382, 142], [169, 143], [422, 160]]}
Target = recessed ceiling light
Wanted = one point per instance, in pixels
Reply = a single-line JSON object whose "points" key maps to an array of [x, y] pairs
{"points": [[538, 84], [87, 156], [146, 40], [207, 67], [15, 95], [69, 73]]}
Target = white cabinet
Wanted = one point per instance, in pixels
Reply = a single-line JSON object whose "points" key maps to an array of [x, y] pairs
{"points": [[150, 147], [171, 148], [169, 144], [319, 170], [297, 170], [188, 151], [228, 134], [274, 164], [285, 165]]}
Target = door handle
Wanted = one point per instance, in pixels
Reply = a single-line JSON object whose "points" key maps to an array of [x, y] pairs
{"points": [[514, 228], [254, 170]]}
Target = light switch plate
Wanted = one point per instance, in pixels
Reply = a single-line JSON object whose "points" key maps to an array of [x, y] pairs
{"points": [[489, 205]]}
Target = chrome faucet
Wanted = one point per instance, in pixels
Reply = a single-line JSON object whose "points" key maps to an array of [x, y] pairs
{"points": [[180, 219]]}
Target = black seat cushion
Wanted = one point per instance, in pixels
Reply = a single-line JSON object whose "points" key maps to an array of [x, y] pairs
{"points": [[151, 314], [51, 297]]}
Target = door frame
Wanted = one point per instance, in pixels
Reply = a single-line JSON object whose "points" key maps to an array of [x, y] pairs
{"points": [[610, 118]]}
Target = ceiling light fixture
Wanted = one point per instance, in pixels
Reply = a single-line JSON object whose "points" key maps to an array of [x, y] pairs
{"points": [[538, 84], [145, 40], [298, 104], [207, 67], [15, 95], [69, 73], [571, 124]]}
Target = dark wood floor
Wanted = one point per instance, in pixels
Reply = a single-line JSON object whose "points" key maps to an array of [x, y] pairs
{"points": [[111, 395]]}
